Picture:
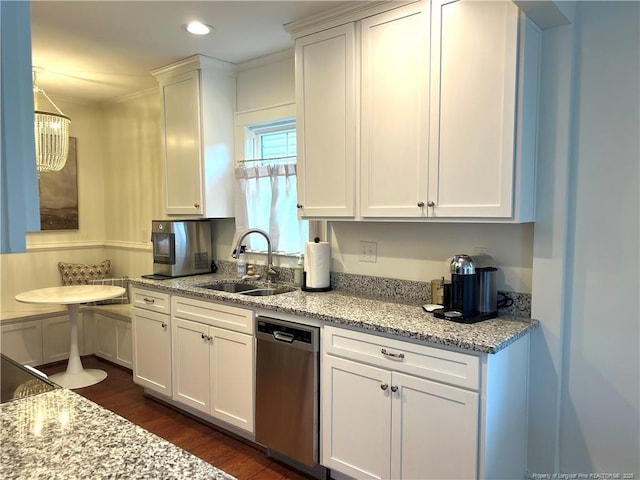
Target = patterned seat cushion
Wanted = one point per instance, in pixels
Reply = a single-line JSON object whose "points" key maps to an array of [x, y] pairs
{"points": [[118, 282], [82, 274]]}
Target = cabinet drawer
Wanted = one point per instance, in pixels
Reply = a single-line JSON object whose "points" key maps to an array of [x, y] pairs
{"points": [[428, 362], [151, 300], [214, 314]]}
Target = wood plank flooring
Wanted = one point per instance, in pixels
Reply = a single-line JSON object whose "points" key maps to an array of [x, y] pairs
{"points": [[119, 394]]}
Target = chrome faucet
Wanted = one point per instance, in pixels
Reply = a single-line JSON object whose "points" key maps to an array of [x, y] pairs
{"points": [[271, 273]]}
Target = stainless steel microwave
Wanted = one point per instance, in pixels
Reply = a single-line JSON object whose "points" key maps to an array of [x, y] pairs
{"points": [[181, 247]]}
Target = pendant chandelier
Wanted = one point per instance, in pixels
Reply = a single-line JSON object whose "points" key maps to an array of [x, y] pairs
{"points": [[51, 134]]}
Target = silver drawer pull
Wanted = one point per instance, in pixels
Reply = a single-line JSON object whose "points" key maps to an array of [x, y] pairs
{"points": [[391, 354], [149, 300], [163, 325], [394, 388], [384, 386]]}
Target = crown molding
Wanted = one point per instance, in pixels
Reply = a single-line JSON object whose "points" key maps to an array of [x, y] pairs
{"points": [[341, 15], [194, 62], [268, 59]]}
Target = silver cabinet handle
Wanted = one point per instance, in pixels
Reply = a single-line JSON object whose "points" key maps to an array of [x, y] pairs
{"points": [[421, 204], [391, 354], [197, 205], [149, 300], [384, 386], [298, 206], [164, 325], [431, 203], [203, 336], [394, 388]]}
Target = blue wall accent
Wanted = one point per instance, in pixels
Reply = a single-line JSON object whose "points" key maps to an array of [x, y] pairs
{"points": [[19, 200]]}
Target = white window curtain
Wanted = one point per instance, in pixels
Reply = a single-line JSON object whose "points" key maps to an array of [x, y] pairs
{"points": [[266, 198]]}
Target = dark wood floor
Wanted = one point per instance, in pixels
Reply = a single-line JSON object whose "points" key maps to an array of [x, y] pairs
{"points": [[119, 394]]}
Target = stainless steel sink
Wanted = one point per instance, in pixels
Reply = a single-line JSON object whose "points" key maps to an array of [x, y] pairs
{"points": [[231, 287], [250, 289], [260, 292]]}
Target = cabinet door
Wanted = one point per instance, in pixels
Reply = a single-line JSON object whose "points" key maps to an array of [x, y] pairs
{"points": [[182, 140], [395, 112], [124, 344], [191, 347], [56, 338], [22, 342], [232, 377], [106, 341], [434, 430], [151, 350], [113, 339], [356, 418], [473, 108], [326, 103]]}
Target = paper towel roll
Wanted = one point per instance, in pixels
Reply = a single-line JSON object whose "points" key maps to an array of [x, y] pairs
{"points": [[317, 262]]}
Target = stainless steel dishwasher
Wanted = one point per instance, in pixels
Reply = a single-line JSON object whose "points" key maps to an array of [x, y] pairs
{"points": [[287, 392]]}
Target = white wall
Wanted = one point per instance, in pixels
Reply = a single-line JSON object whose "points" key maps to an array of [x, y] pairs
{"points": [[266, 82], [599, 429], [422, 252], [585, 390], [87, 125], [134, 180]]}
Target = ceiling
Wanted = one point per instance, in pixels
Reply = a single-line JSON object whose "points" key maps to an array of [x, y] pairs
{"points": [[98, 50]]}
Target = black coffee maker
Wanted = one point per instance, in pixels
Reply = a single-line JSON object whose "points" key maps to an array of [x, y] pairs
{"points": [[470, 288]]}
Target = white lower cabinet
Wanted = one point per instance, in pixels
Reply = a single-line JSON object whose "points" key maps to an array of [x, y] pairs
{"points": [[22, 342], [385, 424], [151, 350], [113, 340], [42, 340], [56, 341], [392, 409], [434, 429], [213, 366]]}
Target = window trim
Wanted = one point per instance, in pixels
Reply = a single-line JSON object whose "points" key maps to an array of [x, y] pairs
{"points": [[245, 119]]}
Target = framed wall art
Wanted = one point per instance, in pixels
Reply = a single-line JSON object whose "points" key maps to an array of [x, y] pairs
{"points": [[59, 194]]}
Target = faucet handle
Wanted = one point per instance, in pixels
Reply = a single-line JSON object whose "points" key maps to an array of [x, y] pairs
{"points": [[271, 273]]}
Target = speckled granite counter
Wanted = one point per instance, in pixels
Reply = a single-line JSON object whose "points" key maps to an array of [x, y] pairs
{"points": [[61, 435], [382, 315]]}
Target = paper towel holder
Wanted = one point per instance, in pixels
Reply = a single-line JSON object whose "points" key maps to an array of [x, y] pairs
{"points": [[304, 287]]}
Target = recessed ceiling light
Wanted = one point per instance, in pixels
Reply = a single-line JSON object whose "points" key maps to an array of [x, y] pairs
{"points": [[198, 28]]}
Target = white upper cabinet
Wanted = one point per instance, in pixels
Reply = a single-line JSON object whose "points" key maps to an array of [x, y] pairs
{"points": [[395, 112], [198, 101], [326, 117], [446, 103], [478, 165]]}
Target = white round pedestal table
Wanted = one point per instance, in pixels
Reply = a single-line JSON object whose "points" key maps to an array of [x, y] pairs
{"points": [[72, 296]]}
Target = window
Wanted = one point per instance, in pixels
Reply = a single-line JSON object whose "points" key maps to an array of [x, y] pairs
{"points": [[266, 187], [273, 142]]}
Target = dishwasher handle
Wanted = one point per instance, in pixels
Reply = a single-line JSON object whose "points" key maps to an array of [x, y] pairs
{"points": [[283, 337], [286, 333]]}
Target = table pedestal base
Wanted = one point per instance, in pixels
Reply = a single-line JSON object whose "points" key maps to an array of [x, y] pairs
{"points": [[76, 376], [84, 378]]}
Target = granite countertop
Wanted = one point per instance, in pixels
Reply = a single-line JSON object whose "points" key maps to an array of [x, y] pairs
{"points": [[379, 315], [61, 435]]}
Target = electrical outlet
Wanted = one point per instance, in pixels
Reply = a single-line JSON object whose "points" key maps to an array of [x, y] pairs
{"points": [[368, 252]]}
